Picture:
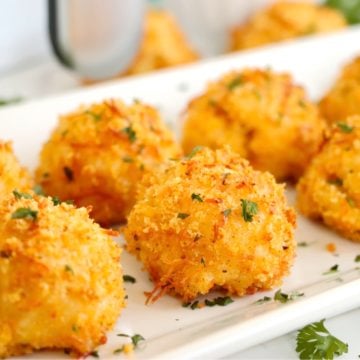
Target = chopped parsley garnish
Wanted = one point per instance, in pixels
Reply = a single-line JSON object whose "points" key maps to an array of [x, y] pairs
{"points": [[234, 83], [38, 190], [75, 328], [94, 354], [249, 209], [128, 159], [350, 201], [302, 103], [135, 339], [284, 298], [182, 215], [24, 213], [68, 173], [20, 195], [119, 350], [68, 268], [357, 258], [193, 152], [196, 197], [185, 305], [4, 102], [303, 244], [194, 305], [220, 301], [335, 181], [130, 132], [56, 201], [263, 300], [345, 128], [334, 269], [95, 117], [350, 9], [129, 279], [314, 341], [226, 212]]}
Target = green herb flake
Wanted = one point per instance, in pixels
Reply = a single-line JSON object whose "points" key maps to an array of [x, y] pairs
{"points": [[249, 209], [349, 8], [344, 127], [123, 335], [129, 279], [314, 341], [303, 244], [38, 190], [94, 354], [24, 213], [334, 269], [95, 117], [194, 305], [128, 159], [196, 197], [335, 181], [302, 104], [263, 300], [185, 305], [182, 216], [10, 101], [193, 152], [56, 201], [20, 195], [234, 83], [68, 268], [74, 328], [219, 301], [351, 202], [135, 339], [130, 132], [118, 351], [227, 212], [68, 173], [284, 298], [357, 258]]}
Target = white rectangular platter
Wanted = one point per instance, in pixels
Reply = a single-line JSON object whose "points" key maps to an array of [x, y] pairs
{"points": [[174, 332]]}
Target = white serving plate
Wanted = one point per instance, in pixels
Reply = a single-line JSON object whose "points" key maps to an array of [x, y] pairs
{"points": [[174, 332]]}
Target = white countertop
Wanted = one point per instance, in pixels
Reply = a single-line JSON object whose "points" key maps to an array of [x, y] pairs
{"points": [[49, 78]]}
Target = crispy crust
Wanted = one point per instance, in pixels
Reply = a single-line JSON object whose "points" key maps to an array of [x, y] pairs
{"points": [[98, 154], [285, 20], [207, 249], [329, 190], [263, 115], [343, 99], [61, 280]]}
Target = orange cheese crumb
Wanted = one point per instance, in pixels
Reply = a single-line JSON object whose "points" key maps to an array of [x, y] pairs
{"points": [[331, 247]]}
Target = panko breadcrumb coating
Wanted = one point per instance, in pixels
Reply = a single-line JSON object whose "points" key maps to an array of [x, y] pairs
{"points": [[285, 20], [330, 188], [98, 154], [211, 221], [263, 115], [61, 280], [343, 99], [12, 175], [163, 44]]}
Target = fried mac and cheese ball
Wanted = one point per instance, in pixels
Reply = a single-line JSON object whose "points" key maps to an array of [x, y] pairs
{"points": [[343, 99], [285, 20], [163, 44], [98, 154], [263, 115], [61, 280], [330, 188], [211, 221], [12, 175]]}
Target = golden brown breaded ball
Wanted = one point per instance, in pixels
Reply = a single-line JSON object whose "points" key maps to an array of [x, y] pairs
{"points": [[263, 115], [163, 44], [98, 154], [330, 188], [12, 175], [61, 281], [285, 20], [211, 221], [343, 99]]}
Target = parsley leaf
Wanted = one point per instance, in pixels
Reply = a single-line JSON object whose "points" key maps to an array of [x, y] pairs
{"points": [[284, 298], [344, 127], [350, 9], [24, 213], [193, 152], [38, 190], [357, 258], [130, 132], [226, 212], [20, 195], [220, 301], [314, 341], [95, 117], [94, 354], [249, 209], [129, 279], [332, 270], [263, 300], [136, 339], [4, 102], [182, 216], [234, 83], [196, 197]]}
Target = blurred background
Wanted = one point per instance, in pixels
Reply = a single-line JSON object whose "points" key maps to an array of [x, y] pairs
{"points": [[50, 46]]}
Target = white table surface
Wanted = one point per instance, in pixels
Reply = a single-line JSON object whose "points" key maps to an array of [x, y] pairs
{"points": [[49, 78]]}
